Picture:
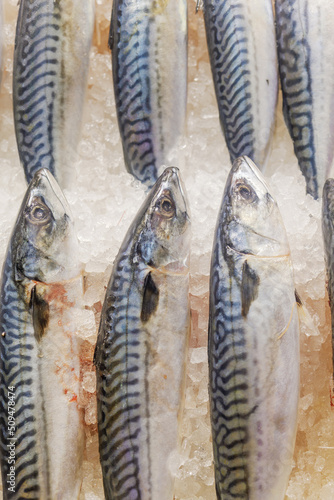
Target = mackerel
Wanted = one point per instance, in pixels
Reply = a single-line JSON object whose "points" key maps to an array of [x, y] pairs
{"points": [[328, 237], [41, 433], [141, 348], [253, 347], [149, 63], [51, 58], [306, 64], [242, 49]]}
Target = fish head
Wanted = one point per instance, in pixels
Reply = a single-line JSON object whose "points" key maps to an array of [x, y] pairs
{"points": [[251, 218], [44, 243], [163, 237]]}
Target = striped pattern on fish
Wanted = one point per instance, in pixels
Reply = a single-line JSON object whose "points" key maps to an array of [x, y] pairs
{"points": [[242, 49], [253, 354], [140, 360], [45, 405], [121, 390], [305, 54], [149, 61], [39, 356], [231, 409], [51, 60], [18, 355]]}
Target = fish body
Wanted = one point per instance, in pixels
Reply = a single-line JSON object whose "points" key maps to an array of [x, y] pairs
{"points": [[41, 433], [149, 64], [51, 59], [328, 237], [242, 49], [141, 348], [306, 65], [253, 347]]}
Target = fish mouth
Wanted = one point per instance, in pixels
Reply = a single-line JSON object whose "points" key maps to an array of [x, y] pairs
{"points": [[263, 236], [266, 239], [248, 253], [173, 269]]}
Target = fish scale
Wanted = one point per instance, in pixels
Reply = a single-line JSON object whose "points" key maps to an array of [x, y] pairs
{"points": [[50, 68], [149, 63], [244, 69]]}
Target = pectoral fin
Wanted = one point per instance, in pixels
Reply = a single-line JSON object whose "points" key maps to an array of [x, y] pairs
{"points": [[298, 299], [249, 288], [150, 298], [305, 320], [40, 314]]}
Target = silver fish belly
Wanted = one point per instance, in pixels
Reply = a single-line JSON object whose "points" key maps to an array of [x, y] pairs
{"points": [[253, 347], [149, 63], [41, 432], [242, 50], [141, 349], [51, 59], [328, 232], [306, 65]]}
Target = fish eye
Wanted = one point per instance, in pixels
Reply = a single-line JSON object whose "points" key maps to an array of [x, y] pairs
{"points": [[245, 191], [166, 207], [39, 214]]}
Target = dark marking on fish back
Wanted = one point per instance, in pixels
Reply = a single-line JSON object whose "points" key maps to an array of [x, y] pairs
{"points": [[294, 56]]}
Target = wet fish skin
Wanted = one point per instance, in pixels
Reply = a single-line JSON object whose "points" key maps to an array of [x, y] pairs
{"points": [[327, 232], [51, 59], [39, 358], [305, 54], [149, 63], [141, 348], [242, 49], [253, 347]]}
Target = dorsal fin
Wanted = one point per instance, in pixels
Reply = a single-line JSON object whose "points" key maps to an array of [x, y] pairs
{"points": [[150, 298]]}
